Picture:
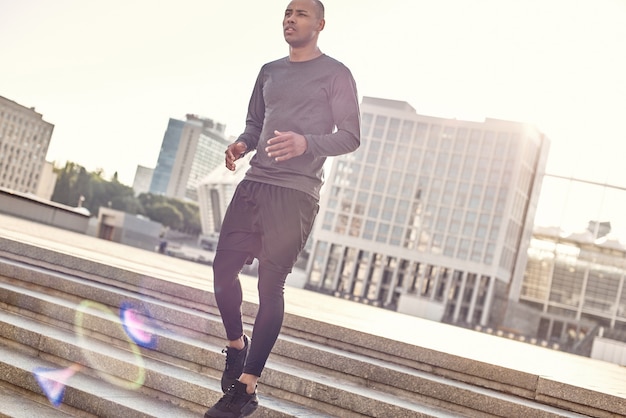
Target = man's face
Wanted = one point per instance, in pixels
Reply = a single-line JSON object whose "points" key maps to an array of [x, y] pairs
{"points": [[302, 23]]}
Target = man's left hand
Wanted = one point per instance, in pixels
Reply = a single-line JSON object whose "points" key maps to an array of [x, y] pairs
{"points": [[286, 145]]}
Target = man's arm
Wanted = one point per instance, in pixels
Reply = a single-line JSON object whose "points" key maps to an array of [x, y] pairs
{"points": [[256, 114], [344, 104], [346, 117]]}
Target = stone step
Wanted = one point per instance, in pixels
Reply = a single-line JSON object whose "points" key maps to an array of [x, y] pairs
{"points": [[21, 403], [191, 385], [176, 318], [84, 392], [135, 378], [284, 376]]}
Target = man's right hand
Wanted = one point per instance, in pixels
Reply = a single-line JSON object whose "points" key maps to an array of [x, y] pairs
{"points": [[234, 152]]}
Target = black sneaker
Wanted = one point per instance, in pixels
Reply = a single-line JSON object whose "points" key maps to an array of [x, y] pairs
{"points": [[236, 403], [235, 359]]}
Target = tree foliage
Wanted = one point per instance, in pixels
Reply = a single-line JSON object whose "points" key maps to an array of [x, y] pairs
{"points": [[77, 187]]}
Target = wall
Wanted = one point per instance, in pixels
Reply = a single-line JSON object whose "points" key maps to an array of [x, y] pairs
{"points": [[609, 350], [43, 211]]}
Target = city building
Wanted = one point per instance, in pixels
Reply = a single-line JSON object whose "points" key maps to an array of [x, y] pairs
{"points": [[214, 194], [47, 181], [134, 230], [190, 150], [142, 180], [430, 216], [574, 288], [24, 141]]}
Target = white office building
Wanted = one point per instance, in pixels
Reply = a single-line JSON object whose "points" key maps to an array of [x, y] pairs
{"points": [[24, 141], [215, 192], [430, 216]]}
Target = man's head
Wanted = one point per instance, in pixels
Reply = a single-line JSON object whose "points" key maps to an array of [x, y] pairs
{"points": [[303, 21], [320, 8]]}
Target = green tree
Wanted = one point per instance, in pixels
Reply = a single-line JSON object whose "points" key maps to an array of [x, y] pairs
{"points": [[75, 186], [65, 190], [167, 214], [191, 215]]}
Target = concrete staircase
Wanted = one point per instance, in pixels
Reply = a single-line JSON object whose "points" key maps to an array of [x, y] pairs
{"points": [[60, 313]]}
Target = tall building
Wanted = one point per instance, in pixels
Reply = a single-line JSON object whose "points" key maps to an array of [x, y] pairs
{"points": [[24, 141], [142, 180], [574, 288], [167, 155], [430, 216], [190, 150]]}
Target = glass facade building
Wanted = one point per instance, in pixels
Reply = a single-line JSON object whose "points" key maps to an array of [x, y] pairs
{"points": [[576, 271], [167, 155], [430, 216], [190, 150]]}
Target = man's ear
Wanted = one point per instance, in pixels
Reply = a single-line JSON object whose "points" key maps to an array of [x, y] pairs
{"points": [[321, 25]]}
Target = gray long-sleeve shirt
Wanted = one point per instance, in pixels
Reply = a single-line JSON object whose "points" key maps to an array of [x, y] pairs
{"points": [[317, 99]]}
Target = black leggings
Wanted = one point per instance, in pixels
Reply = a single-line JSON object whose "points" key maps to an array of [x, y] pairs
{"points": [[269, 223], [269, 319]]}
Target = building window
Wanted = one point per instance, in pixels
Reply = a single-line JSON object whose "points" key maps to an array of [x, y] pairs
{"points": [[392, 130], [355, 226], [374, 152], [407, 129], [362, 274], [388, 208], [402, 211], [381, 180], [342, 224], [463, 249], [366, 124], [379, 126], [402, 154], [383, 232], [335, 258], [329, 217], [396, 235], [374, 207], [368, 232], [602, 286], [449, 247], [319, 253]]}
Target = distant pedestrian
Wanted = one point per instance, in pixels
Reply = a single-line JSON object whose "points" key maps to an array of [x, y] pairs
{"points": [[162, 244], [303, 108]]}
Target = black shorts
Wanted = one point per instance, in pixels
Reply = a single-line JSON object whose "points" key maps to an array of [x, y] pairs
{"points": [[270, 223]]}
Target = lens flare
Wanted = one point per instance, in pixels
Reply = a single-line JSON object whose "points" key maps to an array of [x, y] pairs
{"points": [[139, 332], [98, 362], [53, 381], [138, 326]]}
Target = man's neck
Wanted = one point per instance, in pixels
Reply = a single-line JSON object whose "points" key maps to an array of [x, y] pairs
{"points": [[304, 54]]}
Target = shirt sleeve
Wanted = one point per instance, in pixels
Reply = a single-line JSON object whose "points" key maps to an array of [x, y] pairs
{"points": [[346, 117], [256, 114]]}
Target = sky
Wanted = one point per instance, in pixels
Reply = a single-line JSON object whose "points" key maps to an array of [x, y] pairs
{"points": [[110, 74]]}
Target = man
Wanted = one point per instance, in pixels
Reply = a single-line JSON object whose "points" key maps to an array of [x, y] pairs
{"points": [[303, 108]]}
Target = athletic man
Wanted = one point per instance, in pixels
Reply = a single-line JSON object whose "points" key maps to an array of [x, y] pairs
{"points": [[303, 108]]}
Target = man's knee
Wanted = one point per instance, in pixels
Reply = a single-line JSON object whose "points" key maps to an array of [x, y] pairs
{"points": [[228, 264], [272, 280]]}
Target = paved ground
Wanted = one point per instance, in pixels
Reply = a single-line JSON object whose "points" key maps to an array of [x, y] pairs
{"points": [[562, 367]]}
